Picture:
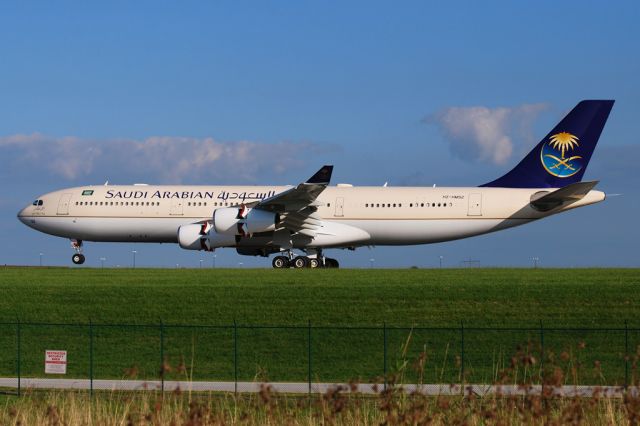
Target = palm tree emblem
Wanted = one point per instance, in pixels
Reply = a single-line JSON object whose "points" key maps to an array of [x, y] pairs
{"points": [[561, 166], [562, 141]]}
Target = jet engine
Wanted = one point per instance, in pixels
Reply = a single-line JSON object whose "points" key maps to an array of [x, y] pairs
{"points": [[202, 237], [243, 221]]}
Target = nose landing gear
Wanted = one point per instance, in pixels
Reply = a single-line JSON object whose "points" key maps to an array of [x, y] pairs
{"points": [[78, 257]]}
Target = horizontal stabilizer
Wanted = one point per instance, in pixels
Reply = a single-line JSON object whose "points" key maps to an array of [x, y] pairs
{"points": [[545, 201]]}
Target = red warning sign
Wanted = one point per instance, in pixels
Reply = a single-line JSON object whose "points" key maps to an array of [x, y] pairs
{"points": [[55, 362]]}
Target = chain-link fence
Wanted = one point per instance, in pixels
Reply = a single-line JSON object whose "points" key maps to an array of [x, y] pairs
{"points": [[311, 354]]}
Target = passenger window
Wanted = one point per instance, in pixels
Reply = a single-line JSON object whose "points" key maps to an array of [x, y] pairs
{"points": [[421, 204]]}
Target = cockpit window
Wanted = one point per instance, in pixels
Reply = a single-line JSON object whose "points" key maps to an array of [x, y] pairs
{"points": [[37, 203]]}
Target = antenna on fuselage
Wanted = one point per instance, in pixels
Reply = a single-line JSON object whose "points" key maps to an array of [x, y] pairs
{"points": [[106, 183], [385, 184]]}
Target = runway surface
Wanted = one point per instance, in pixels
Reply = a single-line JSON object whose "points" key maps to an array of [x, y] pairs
{"points": [[315, 388]]}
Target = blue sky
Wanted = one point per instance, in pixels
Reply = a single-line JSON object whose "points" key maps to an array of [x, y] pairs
{"points": [[283, 88]]}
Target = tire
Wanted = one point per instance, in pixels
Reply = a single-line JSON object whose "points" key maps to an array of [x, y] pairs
{"points": [[301, 262], [331, 263], [77, 259], [314, 263], [280, 262]]}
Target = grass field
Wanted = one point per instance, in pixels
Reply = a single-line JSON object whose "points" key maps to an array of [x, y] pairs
{"points": [[476, 298]]}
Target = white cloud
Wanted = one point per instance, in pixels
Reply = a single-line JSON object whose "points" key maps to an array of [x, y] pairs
{"points": [[486, 134], [160, 158]]}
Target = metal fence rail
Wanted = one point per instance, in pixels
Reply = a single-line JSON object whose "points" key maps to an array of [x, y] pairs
{"points": [[309, 354]]}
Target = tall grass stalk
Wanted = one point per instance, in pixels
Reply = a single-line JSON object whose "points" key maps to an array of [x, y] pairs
{"points": [[335, 407]]}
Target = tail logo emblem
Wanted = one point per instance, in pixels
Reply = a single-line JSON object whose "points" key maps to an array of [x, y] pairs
{"points": [[555, 155]]}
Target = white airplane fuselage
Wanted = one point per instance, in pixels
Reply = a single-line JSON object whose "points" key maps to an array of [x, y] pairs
{"points": [[312, 216], [351, 216]]}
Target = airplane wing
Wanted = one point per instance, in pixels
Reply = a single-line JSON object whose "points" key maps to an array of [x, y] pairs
{"points": [[297, 206], [301, 196]]}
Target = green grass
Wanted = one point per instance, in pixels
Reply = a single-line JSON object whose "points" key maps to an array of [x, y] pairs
{"points": [[578, 298]]}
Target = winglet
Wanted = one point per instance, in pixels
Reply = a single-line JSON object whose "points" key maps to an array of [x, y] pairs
{"points": [[322, 176]]}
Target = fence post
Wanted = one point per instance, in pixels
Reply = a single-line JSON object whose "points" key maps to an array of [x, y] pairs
{"points": [[384, 353], [235, 355], [626, 355], [542, 353], [18, 355], [462, 354], [309, 355], [90, 357], [162, 355]]}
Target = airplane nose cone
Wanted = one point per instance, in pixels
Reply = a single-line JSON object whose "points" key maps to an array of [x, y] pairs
{"points": [[22, 215]]}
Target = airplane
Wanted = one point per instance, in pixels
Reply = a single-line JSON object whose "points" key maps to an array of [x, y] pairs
{"points": [[313, 216]]}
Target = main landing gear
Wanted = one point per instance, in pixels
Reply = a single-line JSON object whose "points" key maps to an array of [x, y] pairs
{"points": [[314, 260], [78, 257]]}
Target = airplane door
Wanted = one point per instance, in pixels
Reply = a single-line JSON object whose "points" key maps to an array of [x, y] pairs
{"points": [[475, 205], [339, 207], [176, 207], [63, 204]]}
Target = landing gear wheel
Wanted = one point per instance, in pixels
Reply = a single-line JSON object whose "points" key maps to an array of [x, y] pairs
{"points": [[78, 259], [280, 262], [314, 263], [331, 263], [301, 262]]}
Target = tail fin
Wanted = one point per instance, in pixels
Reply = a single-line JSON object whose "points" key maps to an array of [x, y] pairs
{"points": [[561, 158]]}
